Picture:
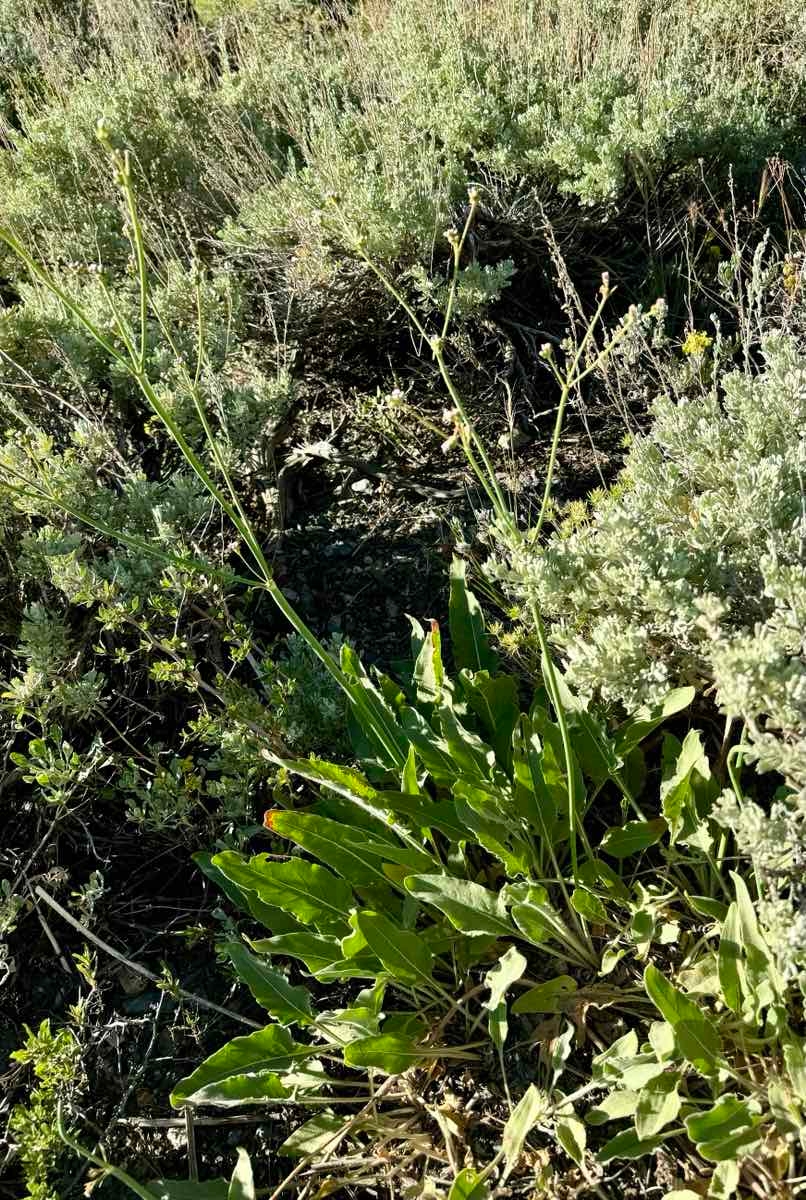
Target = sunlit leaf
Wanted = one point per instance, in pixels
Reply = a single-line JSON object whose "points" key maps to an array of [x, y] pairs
{"points": [[402, 952], [349, 851], [245, 1070], [393, 1053], [242, 1183], [530, 1109], [658, 1104], [314, 1136], [288, 1005], [468, 639], [622, 841], [548, 997], [469, 907], [313, 894]]}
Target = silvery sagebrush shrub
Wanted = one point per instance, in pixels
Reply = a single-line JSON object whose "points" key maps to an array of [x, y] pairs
{"points": [[418, 97], [690, 570]]}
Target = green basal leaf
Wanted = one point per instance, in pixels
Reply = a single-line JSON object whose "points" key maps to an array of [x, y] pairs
{"points": [[598, 875], [270, 916], [473, 759], [500, 978], [468, 906], [421, 813], [288, 1005], [350, 852], [402, 952], [429, 674], [589, 906], [644, 721], [466, 621], [531, 1108], [763, 985], [696, 1035], [313, 1137], [494, 700], [549, 997], [609, 1064], [728, 1130], [346, 1025], [658, 1104], [614, 1107], [392, 1053], [730, 961], [409, 783], [469, 1185], [725, 1180], [560, 1052], [314, 895], [627, 1144], [186, 1189], [687, 789], [707, 906], [316, 951], [622, 841], [794, 1049], [242, 1183], [245, 1071], [572, 1136]]}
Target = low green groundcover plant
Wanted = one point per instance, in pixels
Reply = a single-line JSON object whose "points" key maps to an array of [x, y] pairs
{"points": [[434, 890], [488, 869]]}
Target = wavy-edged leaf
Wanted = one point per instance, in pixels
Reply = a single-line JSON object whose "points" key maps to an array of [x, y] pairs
{"points": [[466, 622], [313, 1136], [622, 841], [696, 1034], [392, 1053], [349, 851], [468, 906], [530, 1109], [287, 1004], [402, 952], [315, 950], [727, 1130], [500, 978], [314, 895], [245, 1071], [270, 916]]}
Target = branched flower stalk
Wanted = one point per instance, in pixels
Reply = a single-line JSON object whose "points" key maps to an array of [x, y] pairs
{"points": [[569, 378]]}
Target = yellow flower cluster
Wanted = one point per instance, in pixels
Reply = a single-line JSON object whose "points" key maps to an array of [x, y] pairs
{"points": [[696, 343]]}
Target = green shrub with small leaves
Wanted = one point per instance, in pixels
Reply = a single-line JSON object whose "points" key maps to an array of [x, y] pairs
{"points": [[56, 1062]]}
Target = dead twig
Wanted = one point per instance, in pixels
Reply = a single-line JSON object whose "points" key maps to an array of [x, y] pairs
{"points": [[138, 967]]}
